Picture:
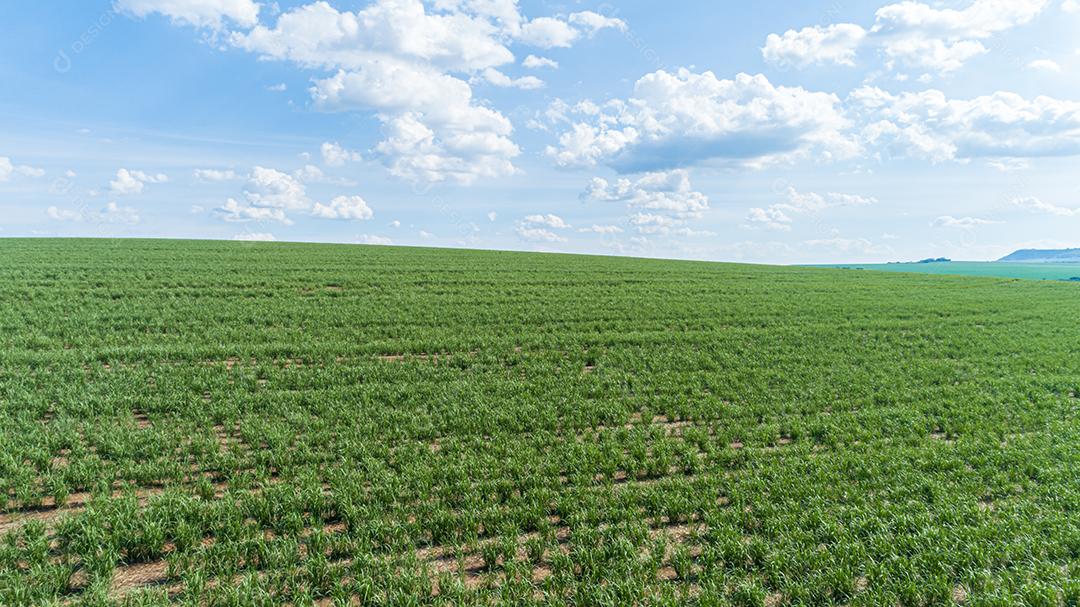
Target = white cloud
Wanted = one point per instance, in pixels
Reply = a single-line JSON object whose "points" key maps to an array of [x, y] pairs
{"points": [[395, 224], [216, 175], [668, 191], [533, 62], [280, 87], [425, 234], [538, 234], [273, 189], [547, 32], [948, 221], [650, 223], [343, 207], [592, 22], [63, 214], [550, 221], [599, 229], [1045, 65], [550, 32], [235, 211], [309, 173], [7, 169], [407, 62], [771, 218], [668, 196], [779, 216], [133, 182], [1036, 205], [525, 83], [492, 216], [373, 239], [318, 35], [334, 155], [539, 228], [112, 213], [1003, 125], [1070, 6], [29, 171], [434, 131], [255, 237], [909, 35], [200, 13], [270, 193], [1008, 165], [685, 119], [815, 45]]}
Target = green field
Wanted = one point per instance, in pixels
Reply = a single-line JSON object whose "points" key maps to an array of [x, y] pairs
{"points": [[216, 423], [1030, 271]]}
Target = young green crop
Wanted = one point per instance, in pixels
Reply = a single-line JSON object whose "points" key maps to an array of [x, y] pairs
{"points": [[207, 423]]}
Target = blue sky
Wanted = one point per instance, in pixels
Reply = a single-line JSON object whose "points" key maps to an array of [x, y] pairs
{"points": [[770, 131]]}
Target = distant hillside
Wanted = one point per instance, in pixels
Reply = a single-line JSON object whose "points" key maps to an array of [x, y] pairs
{"points": [[1044, 256]]}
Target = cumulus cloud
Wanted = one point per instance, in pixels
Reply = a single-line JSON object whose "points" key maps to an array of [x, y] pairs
{"points": [[267, 195], [334, 155], [948, 221], [525, 83], [343, 207], [270, 194], [929, 125], [668, 191], [217, 175], [112, 213], [274, 189], [591, 22], [600, 229], [59, 214], [1034, 204], [684, 119], [434, 132], [318, 35], [771, 218], [779, 216], [8, 169], [533, 62], [409, 63], [815, 45], [663, 225], [551, 221], [663, 202], [547, 32], [133, 182], [200, 13], [236, 211], [908, 35], [539, 228], [538, 234], [1045, 65]]}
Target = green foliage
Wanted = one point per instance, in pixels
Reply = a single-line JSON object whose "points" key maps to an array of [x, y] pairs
{"points": [[203, 423]]}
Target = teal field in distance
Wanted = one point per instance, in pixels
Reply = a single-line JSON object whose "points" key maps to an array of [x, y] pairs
{"points": [[1030, 271]]}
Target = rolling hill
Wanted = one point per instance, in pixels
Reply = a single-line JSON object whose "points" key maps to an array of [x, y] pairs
{"points": [[1043, 256]]}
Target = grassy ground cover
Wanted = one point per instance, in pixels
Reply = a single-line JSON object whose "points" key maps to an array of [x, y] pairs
{"points": [[210, 423]]}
